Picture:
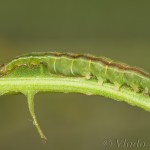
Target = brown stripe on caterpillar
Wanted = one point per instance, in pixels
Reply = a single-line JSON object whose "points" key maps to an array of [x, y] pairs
{"points": [[98, 59]]}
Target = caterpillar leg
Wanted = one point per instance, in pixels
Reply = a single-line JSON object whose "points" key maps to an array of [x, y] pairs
{"points": [[30, 98], [146, 92], [100, 81], [135, 88], [117, 86], [88, 76]]}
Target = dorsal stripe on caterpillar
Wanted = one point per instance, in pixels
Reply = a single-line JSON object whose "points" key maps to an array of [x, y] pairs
{"points": [[92, 58]]}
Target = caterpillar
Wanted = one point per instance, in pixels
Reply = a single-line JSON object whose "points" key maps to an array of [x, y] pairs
{"points": [[87, 66]]}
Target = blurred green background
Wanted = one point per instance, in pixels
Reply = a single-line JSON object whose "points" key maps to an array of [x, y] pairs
{"points": [[116, 29]]}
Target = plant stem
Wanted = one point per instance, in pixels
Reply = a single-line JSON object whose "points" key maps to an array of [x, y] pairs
{"points": [[73, 85], [30, 86]]}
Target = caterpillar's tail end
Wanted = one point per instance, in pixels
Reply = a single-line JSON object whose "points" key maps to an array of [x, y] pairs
{"points": [[30, 98]]}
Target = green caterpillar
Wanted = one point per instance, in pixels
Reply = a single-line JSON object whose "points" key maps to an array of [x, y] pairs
{"points": [[54, 64], [88, 66]]}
